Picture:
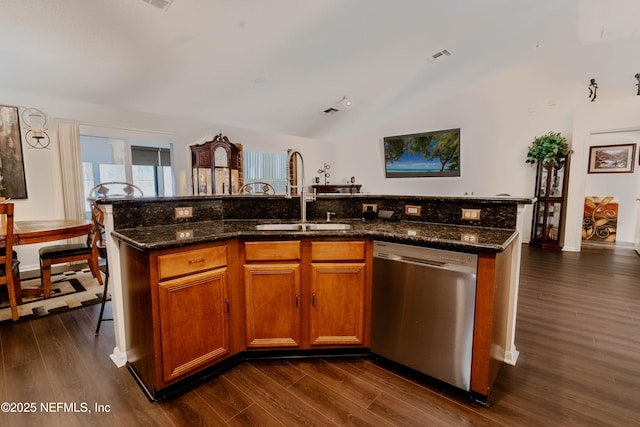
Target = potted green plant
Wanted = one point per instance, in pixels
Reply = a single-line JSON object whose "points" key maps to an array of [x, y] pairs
{"points": [[548, 148]]}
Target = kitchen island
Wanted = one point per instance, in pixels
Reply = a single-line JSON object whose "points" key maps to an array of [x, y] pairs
{"points": [[145, 254]]}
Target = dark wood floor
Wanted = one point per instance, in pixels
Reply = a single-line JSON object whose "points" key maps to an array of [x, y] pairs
{"points": [[578, 334]]}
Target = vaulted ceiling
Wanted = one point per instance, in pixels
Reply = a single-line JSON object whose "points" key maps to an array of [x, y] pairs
{"points": [[276, 65]]}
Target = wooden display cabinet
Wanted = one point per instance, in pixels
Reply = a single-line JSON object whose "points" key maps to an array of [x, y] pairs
{"points": [[216, 167], [550, 206]]}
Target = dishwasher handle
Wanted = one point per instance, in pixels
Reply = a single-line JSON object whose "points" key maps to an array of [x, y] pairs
{"points": [[429, 263], [403, 258]]}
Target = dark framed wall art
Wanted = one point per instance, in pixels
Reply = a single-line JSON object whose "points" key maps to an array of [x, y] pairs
{"points": [[12, 179], [612, 158]]}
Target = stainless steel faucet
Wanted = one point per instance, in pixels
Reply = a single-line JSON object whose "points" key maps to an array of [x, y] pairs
{"points": [[304, 196]]}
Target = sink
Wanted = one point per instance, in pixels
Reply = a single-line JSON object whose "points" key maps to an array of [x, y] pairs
{"points": [[279, 227], [302, 227], [329, 226]]}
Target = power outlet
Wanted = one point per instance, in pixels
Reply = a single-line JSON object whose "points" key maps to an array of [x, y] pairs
{"points": [[471, 214], [184, 234], [185, 212], [469, 237], [412, 210], [369, 207]]}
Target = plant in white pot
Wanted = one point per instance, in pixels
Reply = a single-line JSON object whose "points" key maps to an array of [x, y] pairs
{"points": [[550, 148]]}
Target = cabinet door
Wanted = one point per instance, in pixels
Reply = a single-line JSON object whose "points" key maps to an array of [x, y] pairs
{"points": [[337, 303], [272, 300], [194, 322]]}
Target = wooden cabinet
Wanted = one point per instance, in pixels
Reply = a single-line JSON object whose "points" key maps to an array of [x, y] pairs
{"points": [[272, 304], [216, 167], [307, 293], [178, 311], [272, 294], [189, 308], [193, 307], [550, 206], [338, 293], [194, 321]]}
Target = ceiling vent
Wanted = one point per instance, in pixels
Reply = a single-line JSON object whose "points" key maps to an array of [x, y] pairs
{"points": [[160, 4], [439, 55], [330, 111]]}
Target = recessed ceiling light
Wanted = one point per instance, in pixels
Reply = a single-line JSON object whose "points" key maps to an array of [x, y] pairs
{"points": [[346, 101]]}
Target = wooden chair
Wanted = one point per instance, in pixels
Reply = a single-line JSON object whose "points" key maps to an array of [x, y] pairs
{"points": [[70, 252], [9, 272], [107, 190], [114, 190], [98, 219]]}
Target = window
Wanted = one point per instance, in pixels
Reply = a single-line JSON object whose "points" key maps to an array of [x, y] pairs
{"points": [[151, 170], [143, 163], [266, 167]]}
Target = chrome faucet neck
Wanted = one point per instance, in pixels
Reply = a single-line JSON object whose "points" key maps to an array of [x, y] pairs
{"points": [[300, 176], [299, 186]]}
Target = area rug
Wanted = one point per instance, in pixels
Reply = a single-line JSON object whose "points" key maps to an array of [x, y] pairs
{"points": [[69, 290]]}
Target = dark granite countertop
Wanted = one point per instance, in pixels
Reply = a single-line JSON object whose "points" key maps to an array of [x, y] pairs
{"points": [[336, 196], [463, 238]]}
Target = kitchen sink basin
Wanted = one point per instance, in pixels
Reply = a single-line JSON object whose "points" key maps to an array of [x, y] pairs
{"points": [[279, 227], [302, 227], [329, 226]]}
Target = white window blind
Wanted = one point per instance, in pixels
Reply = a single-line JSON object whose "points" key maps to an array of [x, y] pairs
{"points": [[266, 167]]}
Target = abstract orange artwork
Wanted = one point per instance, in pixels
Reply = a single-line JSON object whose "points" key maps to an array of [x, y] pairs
{"points": [[600, 219]]}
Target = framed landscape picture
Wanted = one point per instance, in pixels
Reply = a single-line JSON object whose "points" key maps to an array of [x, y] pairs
{"points": [[12, 180], [426, 154], [612, 158]]}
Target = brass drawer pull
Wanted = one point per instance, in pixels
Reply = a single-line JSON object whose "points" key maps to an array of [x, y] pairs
{"points": [[196, 261]]}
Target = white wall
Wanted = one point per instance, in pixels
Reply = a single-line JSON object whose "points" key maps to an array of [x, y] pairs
{"points": [[498, 117], [593, 121]]}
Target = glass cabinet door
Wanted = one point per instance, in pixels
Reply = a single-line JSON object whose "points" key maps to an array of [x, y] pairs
{"points": [[548, 214], [556, 182], [541, 187], [202, 181]]}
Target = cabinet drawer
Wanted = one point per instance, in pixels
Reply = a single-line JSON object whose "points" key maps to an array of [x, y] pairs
{"points": [[272, 251], [337, 251], [187, 262]]}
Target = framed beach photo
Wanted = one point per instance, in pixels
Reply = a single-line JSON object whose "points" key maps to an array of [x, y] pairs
{"points": [[426, 154], [612, 158]]}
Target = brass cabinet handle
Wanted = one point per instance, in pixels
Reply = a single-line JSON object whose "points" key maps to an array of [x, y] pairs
{"points": [[196, 261]]}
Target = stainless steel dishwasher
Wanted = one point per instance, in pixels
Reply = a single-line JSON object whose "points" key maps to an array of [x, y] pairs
{"points": [[423, 309]]}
